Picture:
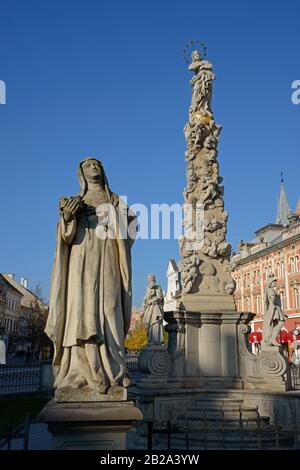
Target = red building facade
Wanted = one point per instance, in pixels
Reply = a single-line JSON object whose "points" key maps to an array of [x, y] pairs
{"points": [[275, 250]]}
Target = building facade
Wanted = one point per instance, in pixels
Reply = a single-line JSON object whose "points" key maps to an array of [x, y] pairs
{"points": [[173, 285], [18, 307], [10, 308], [275, 250]]}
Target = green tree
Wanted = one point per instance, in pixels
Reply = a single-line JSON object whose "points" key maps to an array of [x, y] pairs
{"points": [[137, 338]]}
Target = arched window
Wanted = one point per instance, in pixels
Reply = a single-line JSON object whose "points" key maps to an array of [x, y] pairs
{"points": [[270, 270], [296, 298], [282, 269], [283, 299], [296, 264], [278, 270], [292, 265], [258, 304]]}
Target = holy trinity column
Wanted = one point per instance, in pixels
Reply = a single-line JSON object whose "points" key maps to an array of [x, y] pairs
{"points": [[206, 280]]}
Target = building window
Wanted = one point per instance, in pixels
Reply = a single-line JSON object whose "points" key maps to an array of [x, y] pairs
{"points": [[296, 264], [278, 270], [283, 299], [296, 298], [270, 270], [254, 277], [258, 304], [292, 266], [244, 280], [282, 269], [258, 276], [248, 280]]}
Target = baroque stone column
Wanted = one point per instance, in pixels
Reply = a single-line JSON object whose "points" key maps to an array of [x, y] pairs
{"points": [[209, 353], [206, 281], [205, 306]]}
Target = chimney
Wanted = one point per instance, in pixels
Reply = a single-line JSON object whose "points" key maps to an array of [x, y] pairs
{"points": [[11, 275], [24, 282]]}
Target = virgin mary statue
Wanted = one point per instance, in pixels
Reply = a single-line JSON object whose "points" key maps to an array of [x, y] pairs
{"points": [[90, 300]]}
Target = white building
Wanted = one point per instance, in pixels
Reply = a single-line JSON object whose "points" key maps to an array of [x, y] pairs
{"points": [[174, 285]]}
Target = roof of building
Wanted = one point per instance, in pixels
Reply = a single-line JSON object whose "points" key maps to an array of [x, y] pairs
{"points": [[3, 280], [173, 265], [283, 207], [285, 228], [29, 298], [269, 233]]}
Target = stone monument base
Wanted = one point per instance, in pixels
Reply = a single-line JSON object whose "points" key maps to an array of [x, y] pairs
{"points": [[89, 425], [85, 394], [194, 408]]}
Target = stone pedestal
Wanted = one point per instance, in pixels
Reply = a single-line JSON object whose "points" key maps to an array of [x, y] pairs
{"points": [[209, 350], [90, 426], [204, 348]]}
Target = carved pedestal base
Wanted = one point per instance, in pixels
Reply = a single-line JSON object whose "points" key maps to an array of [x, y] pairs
{"points": [[154, 360], [214, 303], [98, 426], [204, 349], [215, 375], [266, 371]]}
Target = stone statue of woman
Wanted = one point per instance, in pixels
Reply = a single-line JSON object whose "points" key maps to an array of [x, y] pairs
{"points": [[90, 300], [201, 84], [153, 311], [274, 316]]}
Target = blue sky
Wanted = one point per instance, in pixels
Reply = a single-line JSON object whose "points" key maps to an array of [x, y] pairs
{"points": [[108, 79]]}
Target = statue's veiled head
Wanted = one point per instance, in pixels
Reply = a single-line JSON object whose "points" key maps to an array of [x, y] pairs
{"points": [[271, 281], [151, 280], [196, 56], [91, 170]]}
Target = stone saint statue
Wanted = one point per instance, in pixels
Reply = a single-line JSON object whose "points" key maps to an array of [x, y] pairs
{"points": [[274, 317], [201, 84], [153, 311], [90, 300]]}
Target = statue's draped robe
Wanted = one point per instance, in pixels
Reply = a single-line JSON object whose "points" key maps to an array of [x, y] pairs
{"points": [[91, 291], [272, 312], [153, 314]]}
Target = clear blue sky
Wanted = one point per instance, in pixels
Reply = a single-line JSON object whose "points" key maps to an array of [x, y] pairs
{"points": [[108, 79]]}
